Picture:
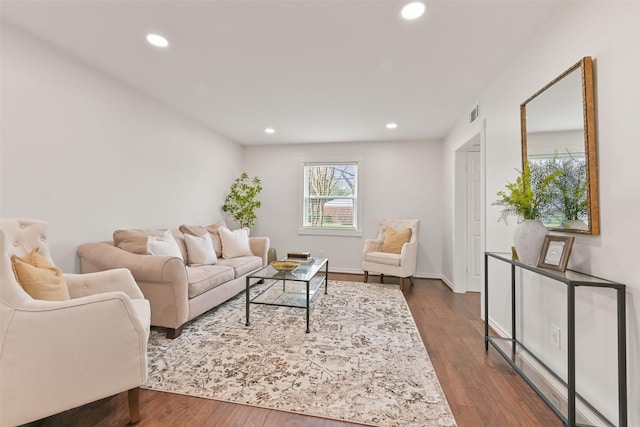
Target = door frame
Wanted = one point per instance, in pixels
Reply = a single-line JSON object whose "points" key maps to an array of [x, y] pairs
{"points": [[475, 141]]}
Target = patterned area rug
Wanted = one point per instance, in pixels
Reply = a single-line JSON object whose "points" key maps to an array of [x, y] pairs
{"points": [[363, 361]]}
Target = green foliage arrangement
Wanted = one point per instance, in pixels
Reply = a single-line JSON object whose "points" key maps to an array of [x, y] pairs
{"points": [[528, 197], [569, 188], [241, 201]]}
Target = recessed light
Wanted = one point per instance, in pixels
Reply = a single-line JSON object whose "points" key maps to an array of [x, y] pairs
{"points": [[392, 125], [269, 130], [157, 40], [413, 10]]}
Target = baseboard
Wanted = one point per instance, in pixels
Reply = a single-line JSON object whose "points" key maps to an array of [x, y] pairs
{"points": [[360, 273], [550, 387]]}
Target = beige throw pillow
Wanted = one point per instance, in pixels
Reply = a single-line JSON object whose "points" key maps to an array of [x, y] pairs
{"points": [[134, 241], [200, 249], [214, 230], [39, 277], [164, 245], [235, 243], [393, 240]]}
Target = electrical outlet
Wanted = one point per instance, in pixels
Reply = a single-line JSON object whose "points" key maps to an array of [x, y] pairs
{"points": [[555, 336], [321, 253]]}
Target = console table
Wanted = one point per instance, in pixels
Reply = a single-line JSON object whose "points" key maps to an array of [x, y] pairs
{"points": [[510, 347]]}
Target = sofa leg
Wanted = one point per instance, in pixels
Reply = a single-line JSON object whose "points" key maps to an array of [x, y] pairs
{"points": [[402, 283], [381, 278], [174, 333], [134, 405], [366, 276], [411, 280]]}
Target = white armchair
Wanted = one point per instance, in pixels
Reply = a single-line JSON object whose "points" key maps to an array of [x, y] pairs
{"points": [[401, 265], [57, 355]]}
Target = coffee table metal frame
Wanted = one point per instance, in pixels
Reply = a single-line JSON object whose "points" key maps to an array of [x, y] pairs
{"points": [[288, 288]]}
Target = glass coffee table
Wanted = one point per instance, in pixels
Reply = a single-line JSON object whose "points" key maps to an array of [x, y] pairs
{"points": [[290, 288]]}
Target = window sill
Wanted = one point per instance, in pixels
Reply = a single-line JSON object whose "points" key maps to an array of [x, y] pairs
{"points": [[330, 232]]}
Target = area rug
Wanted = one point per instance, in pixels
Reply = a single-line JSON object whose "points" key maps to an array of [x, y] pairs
{"points": [[362, 362]]}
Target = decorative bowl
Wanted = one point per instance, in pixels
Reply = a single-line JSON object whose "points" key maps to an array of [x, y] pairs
{"points": [[285, 265]]}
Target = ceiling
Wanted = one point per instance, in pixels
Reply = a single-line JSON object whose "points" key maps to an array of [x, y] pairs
{"points": [[315, 71]]}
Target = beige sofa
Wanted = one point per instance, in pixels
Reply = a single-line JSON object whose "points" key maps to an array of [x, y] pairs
{"points": [[178, 292]]}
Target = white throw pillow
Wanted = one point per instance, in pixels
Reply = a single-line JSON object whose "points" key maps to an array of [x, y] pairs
{"points": [[164, 245], [200, 249], [235, 243]]}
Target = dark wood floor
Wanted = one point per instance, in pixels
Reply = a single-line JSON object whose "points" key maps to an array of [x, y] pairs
{"points": [[482, 389]]}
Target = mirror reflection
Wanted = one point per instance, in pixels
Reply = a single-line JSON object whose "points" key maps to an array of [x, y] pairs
{"points": [[558, 138]]}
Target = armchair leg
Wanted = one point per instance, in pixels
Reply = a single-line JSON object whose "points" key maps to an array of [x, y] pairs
{"points": [[366, 276], [134, 405], [402, 283], [411, 280]]}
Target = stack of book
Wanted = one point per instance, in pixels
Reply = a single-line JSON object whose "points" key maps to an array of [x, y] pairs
{"points": [[299, 256]]}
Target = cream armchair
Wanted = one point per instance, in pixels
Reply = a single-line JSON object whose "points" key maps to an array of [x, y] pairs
{"points": [[57, 355], [402, 264]]}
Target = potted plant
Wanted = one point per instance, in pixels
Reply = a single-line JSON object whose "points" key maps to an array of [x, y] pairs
{"points": [[241, 201], [527, 198], [570, 192]]}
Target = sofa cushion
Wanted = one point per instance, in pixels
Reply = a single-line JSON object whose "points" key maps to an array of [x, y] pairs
{"points": [[164, 245], [235, 243], [394, 240], [242, 265], [205, 277], [385, 258], [135, 240], [200, 249], [39, 277], [214, 230]]}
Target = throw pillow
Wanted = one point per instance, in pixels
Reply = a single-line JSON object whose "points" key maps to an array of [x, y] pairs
{"points": [[164, 245], [39, 277], [214, 230], [394, 240], [134, 241], [200, 249], [235, 243]]}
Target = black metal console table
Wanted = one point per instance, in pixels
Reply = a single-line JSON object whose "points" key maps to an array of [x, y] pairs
{"points": [[512, 345]]}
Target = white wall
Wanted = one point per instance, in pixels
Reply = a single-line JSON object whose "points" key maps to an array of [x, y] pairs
{"points": [[89, 155], [399, 180], [609, 32]]}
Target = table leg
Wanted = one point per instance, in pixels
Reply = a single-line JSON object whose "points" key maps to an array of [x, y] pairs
{"points": [[307, 306], [247, 300]]}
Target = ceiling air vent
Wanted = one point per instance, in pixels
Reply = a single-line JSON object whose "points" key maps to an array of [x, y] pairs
{"points": [[474, 114]]}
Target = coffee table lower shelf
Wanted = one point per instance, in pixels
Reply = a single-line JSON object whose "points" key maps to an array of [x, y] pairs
{"points": [[289, 289]]}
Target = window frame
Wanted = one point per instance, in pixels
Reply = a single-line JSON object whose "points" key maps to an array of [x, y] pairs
{"points": [[331, 231]]}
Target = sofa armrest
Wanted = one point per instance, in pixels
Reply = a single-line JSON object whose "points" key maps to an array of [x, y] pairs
{"points": [[119, 279], [102, 256], [260, 247]]}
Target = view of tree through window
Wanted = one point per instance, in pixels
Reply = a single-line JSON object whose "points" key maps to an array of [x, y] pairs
{"points": [[330, 195]]}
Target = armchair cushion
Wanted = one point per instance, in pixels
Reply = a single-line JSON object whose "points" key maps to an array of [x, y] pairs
{"points": [[393, 240], [39, 277], [384, 258]]}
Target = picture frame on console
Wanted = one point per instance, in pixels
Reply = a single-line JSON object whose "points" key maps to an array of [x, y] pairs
{"points": [[555, 252]]}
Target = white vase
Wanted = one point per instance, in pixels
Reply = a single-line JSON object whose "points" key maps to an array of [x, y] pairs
{"points": [[528, 239]]}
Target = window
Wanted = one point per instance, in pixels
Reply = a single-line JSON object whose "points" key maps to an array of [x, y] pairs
{"points": [[331, 198]]}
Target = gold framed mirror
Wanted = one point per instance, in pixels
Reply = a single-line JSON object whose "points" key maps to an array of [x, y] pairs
{"points": [[559, 136]]}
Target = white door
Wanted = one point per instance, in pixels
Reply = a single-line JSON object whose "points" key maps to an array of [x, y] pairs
{"points": [[474, 250]]}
